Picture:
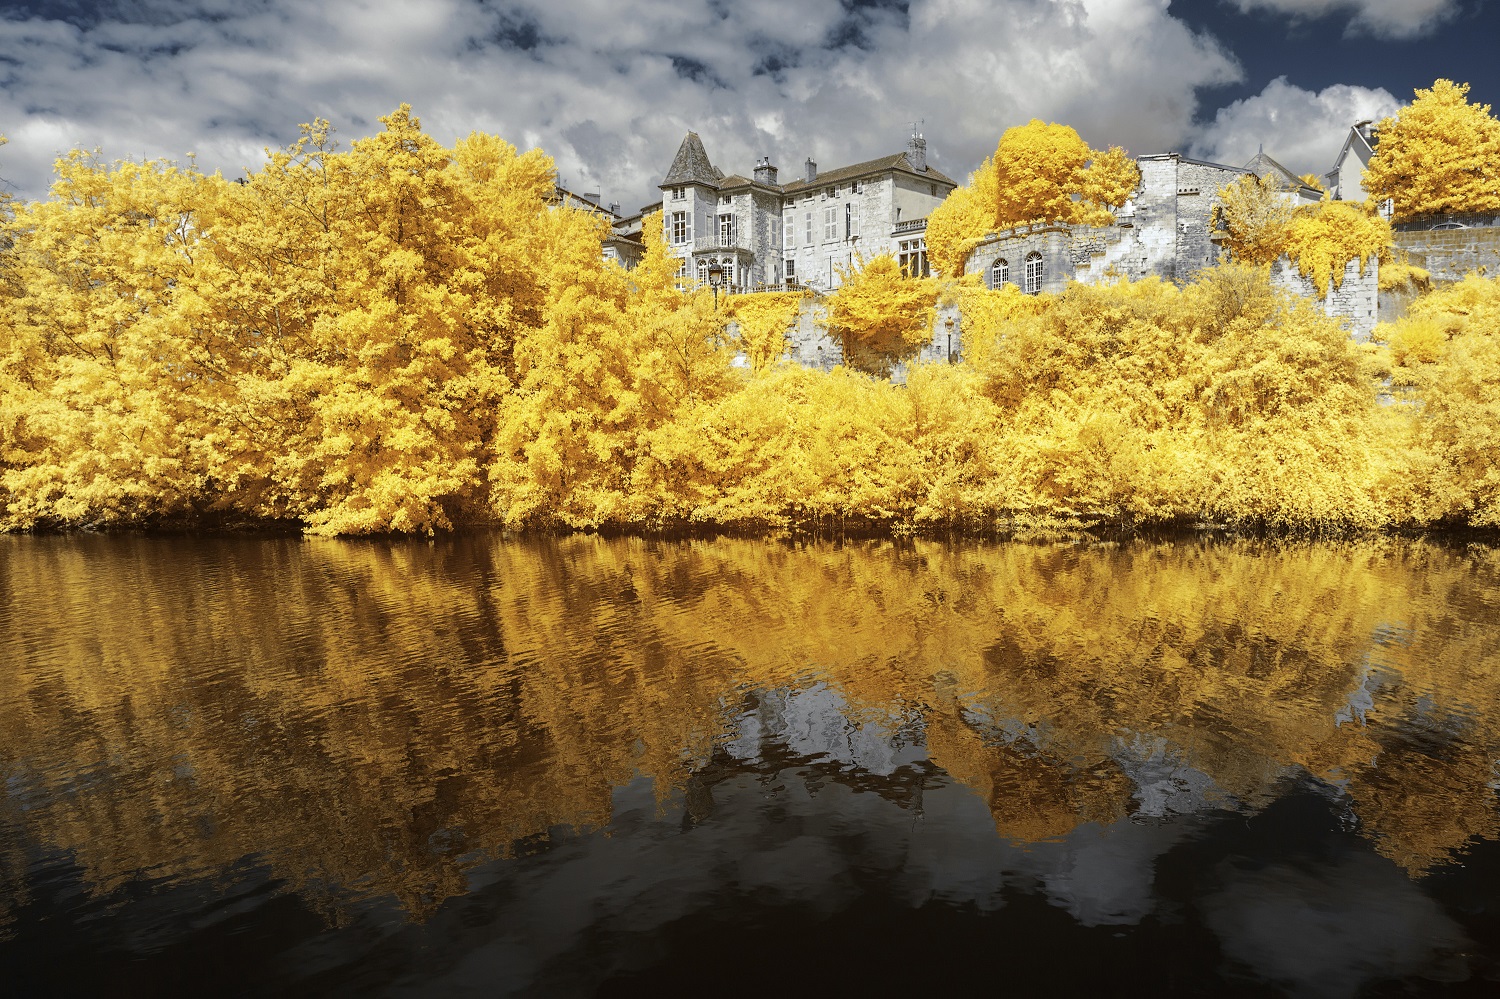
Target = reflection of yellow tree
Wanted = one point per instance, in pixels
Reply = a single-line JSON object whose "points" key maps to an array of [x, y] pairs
{"points": [[371, 719]]}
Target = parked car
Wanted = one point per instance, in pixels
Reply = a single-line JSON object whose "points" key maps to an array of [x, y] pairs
{"points": [[1450, 225]]}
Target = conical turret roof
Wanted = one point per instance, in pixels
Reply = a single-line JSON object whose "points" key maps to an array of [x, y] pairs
{"points": [[691, 165]]}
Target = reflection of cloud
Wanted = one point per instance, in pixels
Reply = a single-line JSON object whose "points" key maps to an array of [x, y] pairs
{"points": [[1330, 930]]}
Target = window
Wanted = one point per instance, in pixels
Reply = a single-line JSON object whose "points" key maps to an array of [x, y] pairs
{"points": [[858, 187], [999, 272], [789, 230], [703, 272], [679, 193], [912, 256], [832, 192], [830, 224], [723, 199], [775, 231], [933, 189], [833, 272], [807, 228], [851, 221], [1033, 272], [791, 270], [726, 230], [682, 228], [682, 271]]}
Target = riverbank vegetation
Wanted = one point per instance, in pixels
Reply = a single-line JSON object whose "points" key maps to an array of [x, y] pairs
{"points": [[409, 337]]}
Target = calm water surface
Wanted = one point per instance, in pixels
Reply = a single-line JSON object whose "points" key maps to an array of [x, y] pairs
{"points": [[273, 766]]}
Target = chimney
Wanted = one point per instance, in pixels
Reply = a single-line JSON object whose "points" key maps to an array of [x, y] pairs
{"points": [[765, 173], [1365, 128], [591, 196], [812, 170], [916, 153]]}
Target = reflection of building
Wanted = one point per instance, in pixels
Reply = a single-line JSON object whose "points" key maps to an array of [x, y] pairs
{"points": [[765, 233]]}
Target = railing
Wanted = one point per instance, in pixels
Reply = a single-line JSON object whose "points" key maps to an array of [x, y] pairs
{"points": [[1450, 220], [748, 289], [910, 225]]}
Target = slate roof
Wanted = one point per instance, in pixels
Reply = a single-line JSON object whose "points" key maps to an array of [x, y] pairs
{"points": [[896, 161], [691, 165], [1263, 164]]}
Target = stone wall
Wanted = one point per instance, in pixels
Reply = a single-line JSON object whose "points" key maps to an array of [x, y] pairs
{"points": [[1452, 253], [1356, 301]]}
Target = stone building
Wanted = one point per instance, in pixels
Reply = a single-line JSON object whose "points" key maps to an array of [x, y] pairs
{"points": [[1167, 230], [764, 232]]}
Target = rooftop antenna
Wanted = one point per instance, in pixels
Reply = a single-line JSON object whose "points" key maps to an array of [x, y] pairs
{"points": [[916, 126]]}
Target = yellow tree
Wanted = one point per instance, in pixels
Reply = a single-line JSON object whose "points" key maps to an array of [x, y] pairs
{"points": [[880, 316], [1438, 154], [1257, 216], [963, 219], [103, 393], [1046, 173], [391, 285], [616, 360]]}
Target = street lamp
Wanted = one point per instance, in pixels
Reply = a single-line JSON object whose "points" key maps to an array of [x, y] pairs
{"points": [[715, 278]]}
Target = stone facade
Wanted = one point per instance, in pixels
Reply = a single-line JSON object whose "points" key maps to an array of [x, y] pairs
{"points": [[1356, 301], [766, 233], [1450, 252], [1165, 230]]}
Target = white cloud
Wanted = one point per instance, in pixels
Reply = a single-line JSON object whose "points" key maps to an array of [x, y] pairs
{"points": [[1301, 129], [1382, 18], [608, 87]]}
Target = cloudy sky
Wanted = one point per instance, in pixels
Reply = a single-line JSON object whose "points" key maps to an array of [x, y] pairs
{"points": [[608, 87]]}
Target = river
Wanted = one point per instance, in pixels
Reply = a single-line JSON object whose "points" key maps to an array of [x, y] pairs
{"points": [[252, 765]]}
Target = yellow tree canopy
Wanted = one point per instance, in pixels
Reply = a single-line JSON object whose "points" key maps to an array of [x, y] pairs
{"points": [[1040, 173], [1438, 154], [1047, 173], [963, 219], [880, 316], [1256, 215]]}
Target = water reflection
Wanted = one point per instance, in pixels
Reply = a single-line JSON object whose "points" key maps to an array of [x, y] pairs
{"points": [[357, 724]]}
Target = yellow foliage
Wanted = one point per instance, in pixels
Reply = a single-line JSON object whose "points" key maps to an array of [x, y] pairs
{"points": [[1323, 239], [1449, 344], [1047, 173], [879, 315], [1040, 173], [1257, 218], [1400, 276], [764, 320], [1438, 154], [961, 222]]}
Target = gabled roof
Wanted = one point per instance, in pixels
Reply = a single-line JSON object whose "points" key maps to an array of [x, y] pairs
{"points": [[1263, 164], [895, 162], [1356, 141], [691, 165]]}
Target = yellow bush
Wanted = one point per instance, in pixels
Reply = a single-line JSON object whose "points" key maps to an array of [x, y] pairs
{"points": [[1322, 240], [764, 320]]}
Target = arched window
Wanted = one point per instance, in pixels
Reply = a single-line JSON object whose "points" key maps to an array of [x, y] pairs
{"points": [[1033, 272], [999, 272], [703, 273]]}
